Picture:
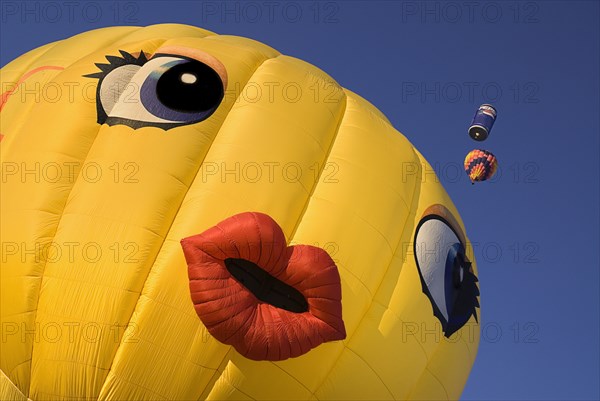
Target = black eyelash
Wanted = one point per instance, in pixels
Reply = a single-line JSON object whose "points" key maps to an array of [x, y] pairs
{"points": [[467, 302], [116, 62]]}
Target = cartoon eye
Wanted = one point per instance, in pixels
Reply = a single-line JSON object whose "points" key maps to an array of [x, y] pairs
{"points": [[446, 274], [165, 92]]}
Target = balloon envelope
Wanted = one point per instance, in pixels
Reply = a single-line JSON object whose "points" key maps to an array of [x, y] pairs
{"points": [[480, 165], [320, 259]]}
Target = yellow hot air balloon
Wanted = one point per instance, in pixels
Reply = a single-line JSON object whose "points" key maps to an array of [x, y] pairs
{"points": [[187, 215]]}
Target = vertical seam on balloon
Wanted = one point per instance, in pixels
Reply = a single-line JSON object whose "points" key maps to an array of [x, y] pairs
{"points": [[109, 369], [217, 374], [41, 277], [324, 164], [58, 225], [310, 195], [290, 375], [398, 317], [350, 335], [5, 379], [438, 380], [471, 356], [177, 212], [302, 215], [373, 370], [433, 352]]}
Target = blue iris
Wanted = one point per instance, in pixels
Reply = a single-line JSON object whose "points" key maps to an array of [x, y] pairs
{"points": [[183, 90]]}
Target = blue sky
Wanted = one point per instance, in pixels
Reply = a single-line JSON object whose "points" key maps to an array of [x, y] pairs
{"points": [[427, 66]]}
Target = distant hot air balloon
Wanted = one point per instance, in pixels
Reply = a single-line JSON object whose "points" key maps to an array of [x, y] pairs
{"points": [[483, 121], [480, 165]]}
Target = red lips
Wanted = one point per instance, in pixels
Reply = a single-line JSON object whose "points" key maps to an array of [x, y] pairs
{"points": [[268, 300]]}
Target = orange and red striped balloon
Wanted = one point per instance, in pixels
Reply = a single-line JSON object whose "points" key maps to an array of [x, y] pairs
{"points": [[480, 165]]}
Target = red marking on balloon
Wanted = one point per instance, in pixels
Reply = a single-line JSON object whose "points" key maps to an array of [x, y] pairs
{"points": [[234, 315], [7, 94]]}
